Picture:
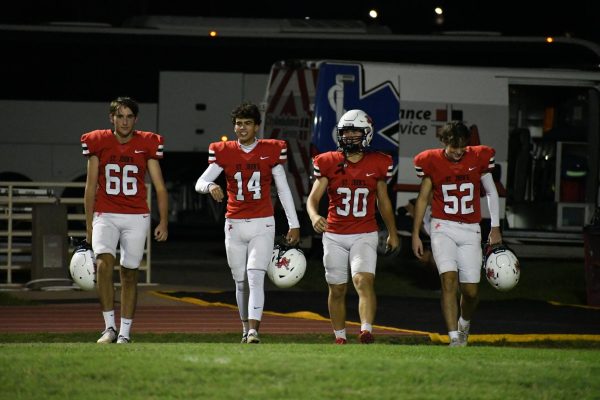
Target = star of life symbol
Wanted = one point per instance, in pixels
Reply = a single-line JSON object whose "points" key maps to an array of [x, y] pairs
{"points": [[283, 262], [347, 90]]}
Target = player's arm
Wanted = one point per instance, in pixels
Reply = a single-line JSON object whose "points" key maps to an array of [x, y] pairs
{"points": [[312, 204], [420, 207], [161, 232], [285, 196], [206, 182], [493, 202], [387, 214], [89, 197]]}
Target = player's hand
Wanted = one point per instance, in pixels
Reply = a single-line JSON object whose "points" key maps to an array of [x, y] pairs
{"points": [[293, 236], [216, 192], [319, 224], [417, 246], [161, 232], [495, 237], [392, 243]]}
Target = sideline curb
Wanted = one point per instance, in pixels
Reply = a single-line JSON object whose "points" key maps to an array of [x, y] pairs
{"points": [[433, 336]]}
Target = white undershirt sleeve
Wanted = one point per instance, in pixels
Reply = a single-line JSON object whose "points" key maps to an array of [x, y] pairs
{"points": [[208, 177], [493, 200], [285, 196]]}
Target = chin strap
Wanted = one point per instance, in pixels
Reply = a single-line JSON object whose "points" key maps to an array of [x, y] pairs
{"points": [[282, 247], [80, 245], [489, 249], [341, 166]]}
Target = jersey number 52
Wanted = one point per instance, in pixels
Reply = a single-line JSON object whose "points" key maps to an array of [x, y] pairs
{"points": [[458, 204]]}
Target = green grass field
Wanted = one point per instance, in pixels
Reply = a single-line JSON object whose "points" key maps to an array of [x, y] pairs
{"points": [[204, 366], [294, 371]]}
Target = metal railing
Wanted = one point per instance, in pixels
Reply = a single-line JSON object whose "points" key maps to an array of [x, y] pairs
{"points": [[17, 200]]}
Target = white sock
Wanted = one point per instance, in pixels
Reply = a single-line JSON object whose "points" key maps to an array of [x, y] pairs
{"points": [[109, 319], [366, 327], [252, 332], [256, 300], [241, 296], [340, 334], [463, 322], [245, 327], [125, 327], [453, 335]]}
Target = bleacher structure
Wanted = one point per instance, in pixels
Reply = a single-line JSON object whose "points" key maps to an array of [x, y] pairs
{"points": [[19, 202]]}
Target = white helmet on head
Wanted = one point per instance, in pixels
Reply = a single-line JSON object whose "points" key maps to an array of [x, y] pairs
{"points": [[502, 268], [83, 266], [355, 120], [287, 266]]}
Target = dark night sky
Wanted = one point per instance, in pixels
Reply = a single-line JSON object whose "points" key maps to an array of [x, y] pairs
{"points": [[77, 55], [577, 18]]}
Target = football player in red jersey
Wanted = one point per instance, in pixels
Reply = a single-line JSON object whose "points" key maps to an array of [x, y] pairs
{"points": [[355, 181], [453, 176], [250, 166], [116, 208]]}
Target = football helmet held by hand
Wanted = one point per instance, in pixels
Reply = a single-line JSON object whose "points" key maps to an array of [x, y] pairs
{"points": [[501, 266], [287, 266], [83, 266]]}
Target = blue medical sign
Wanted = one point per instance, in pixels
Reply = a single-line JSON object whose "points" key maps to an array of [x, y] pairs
{"points": [[341, 87]]}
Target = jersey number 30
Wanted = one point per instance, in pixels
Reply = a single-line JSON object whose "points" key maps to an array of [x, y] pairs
{"points": [[356, 204]]}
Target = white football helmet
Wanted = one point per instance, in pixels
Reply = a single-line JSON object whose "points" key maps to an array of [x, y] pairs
{"points": [[502, 268], [287, 266], [83, 266], [355, 120]]}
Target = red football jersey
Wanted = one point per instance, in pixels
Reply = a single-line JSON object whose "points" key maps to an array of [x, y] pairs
{"points": [[352, 189], [248, 175], [456, 185], [122, 169]]}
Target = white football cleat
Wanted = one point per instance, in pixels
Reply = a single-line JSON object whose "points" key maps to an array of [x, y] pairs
{"points": [[108, 336], [123, 340], [463, 333], [457, 342], [253, 338]]}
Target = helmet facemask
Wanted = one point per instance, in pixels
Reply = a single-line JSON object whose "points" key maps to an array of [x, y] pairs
{"points": [[352, 144]]}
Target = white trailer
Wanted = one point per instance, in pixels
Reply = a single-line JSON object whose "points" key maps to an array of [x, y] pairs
{"points": [[544, 125]]}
